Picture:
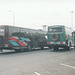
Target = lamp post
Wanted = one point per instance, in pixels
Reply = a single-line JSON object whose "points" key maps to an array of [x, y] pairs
{"points": [[13, 17], [72, 18]]}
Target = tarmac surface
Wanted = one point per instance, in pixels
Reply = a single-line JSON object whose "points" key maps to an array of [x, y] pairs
{"points": [[38, 62]]}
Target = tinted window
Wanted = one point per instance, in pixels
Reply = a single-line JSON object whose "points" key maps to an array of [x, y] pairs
{"points": [[2, 29], [13, 30], [57, 29], [20, 32]]}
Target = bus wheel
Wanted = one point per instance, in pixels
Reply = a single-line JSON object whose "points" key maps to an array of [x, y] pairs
{"points": [[1, 50], [29, 47], [42, 47], [67, 48], [56, 48], [70, 46], [50, 47], [17, 50]]}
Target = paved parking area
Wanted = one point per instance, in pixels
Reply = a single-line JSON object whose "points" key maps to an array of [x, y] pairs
{"points": [[39, 62]]}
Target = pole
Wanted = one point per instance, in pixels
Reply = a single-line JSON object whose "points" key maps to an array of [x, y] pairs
{"points": [[72, 18], [13, 17]]}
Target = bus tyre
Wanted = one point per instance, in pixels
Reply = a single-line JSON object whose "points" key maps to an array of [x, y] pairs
{"points": [[42, 47], [70, 46], [67, 48], [74, 47], [29, 47], [50, 47], [56, 48], [17, 50]]}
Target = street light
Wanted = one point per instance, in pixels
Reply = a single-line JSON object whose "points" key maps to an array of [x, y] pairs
{"points": [[13, 17], [72, 18]]}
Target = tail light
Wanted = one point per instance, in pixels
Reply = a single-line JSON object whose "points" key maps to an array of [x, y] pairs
{"points": [[61, 42], [48, 42]]}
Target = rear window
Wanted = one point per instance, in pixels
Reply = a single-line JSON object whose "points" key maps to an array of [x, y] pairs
{"points": [[57, 29]]}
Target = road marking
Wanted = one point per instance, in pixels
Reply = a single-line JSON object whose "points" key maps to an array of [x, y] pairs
{"points": [[37, 73], [67, 66]]}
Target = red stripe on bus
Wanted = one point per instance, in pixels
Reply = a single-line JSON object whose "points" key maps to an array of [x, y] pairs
{"points": [[12, 38], [22, 44]]}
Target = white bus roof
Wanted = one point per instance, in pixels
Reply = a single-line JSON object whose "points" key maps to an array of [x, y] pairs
{"points": [[56, 26]]}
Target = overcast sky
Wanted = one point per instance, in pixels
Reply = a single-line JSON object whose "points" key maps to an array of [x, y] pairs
{"points": [[35, 13]]}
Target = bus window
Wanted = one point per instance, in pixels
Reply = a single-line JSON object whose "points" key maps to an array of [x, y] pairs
{"points": [[13, 30], [2, 31], [56, 29], [24, 32], [1, 39]]}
